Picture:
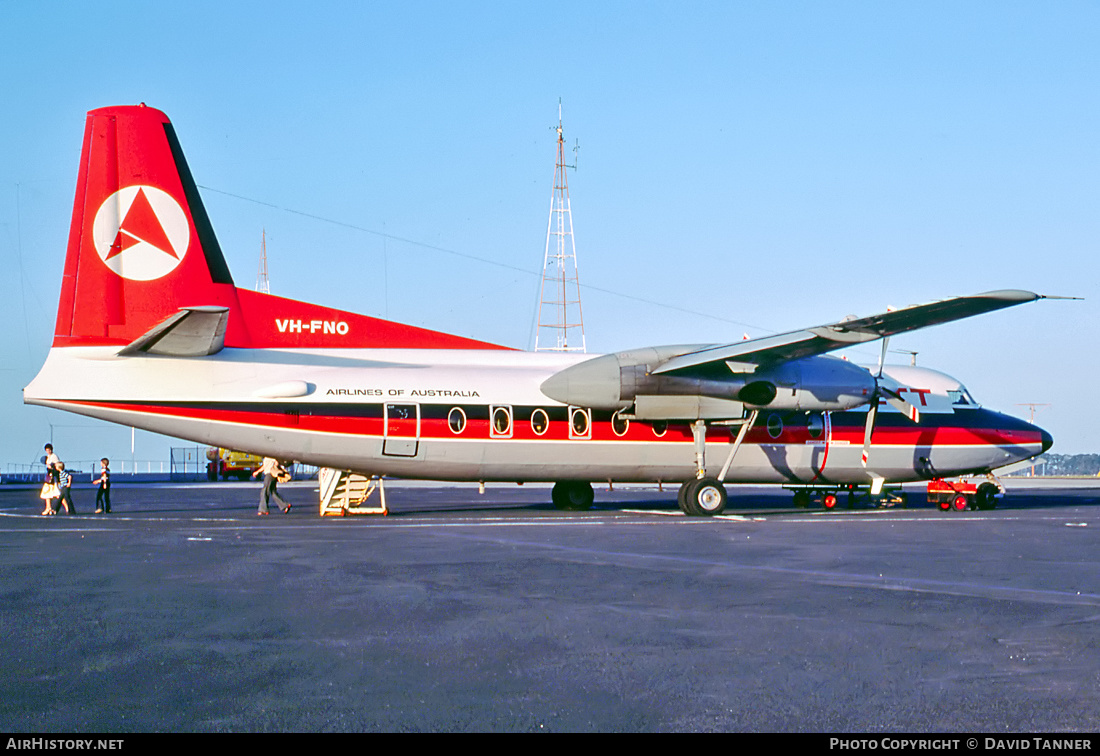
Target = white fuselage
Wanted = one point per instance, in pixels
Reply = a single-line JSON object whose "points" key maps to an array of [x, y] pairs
{"points": [[398, 412]]}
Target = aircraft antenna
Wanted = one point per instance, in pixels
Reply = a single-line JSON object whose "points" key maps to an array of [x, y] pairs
{"points": [[561, 324], [262, 283], [1031, 419]]}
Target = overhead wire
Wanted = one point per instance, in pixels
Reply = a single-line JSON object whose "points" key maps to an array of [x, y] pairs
{"points": [[477, 258]]}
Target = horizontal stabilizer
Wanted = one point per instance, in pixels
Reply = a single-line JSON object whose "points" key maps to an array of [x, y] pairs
{"points": [[191, 332]]}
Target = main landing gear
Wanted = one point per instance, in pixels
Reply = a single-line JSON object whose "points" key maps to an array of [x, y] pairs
{"points": [[572, 495], [703, 497]]}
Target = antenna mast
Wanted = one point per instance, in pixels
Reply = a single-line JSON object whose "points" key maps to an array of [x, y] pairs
{"points": [[561, 325], [262, 283]]}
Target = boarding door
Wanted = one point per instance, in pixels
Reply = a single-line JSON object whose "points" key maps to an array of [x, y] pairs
{"points": [[401, 430]]}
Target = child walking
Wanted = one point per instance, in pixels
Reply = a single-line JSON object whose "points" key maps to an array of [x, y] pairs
{"points": [[103, 495], [65, 483]]}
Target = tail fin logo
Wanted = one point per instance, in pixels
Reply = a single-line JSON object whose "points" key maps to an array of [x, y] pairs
{"points": [[141, 233]]}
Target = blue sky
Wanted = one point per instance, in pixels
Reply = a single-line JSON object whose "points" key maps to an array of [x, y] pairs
{"points": [[744, 167]]}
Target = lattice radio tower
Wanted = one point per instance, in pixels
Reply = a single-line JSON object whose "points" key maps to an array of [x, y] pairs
{"points": [[561, 325], [262, 283]]}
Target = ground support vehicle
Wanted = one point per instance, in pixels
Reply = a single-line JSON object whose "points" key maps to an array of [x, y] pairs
{"points": [[964, 493], [227, 464]]}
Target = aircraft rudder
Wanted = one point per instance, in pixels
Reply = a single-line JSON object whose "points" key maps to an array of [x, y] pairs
{"points": [[140, 242]]}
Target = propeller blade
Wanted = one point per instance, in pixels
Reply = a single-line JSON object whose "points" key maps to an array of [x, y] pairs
{"points": [[882, 356], [868, 430], [893, 397]]}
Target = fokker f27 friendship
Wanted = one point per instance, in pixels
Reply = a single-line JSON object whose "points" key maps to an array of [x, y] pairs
{"points": [[152, 333]]}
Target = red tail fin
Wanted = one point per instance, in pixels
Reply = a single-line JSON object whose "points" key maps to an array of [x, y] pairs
{"points": [[140, 244], [141, 247]]}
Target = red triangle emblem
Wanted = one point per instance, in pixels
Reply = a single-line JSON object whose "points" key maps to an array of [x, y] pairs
{"points": [[140, 225]]}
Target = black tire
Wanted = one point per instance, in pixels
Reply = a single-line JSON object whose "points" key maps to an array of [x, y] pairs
{"points": [[572, 495], [986, 497], [704, 498], [684, 496], [802, 499]]}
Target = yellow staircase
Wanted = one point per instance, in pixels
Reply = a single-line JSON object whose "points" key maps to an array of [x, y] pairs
{"points": [[346, 493]]}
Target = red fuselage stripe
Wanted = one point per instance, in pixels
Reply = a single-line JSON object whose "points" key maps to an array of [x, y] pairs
{"points": [[924, 434]]}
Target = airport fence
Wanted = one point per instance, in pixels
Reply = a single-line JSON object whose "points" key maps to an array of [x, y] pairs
{"points": [[184, 465], [191, 463], [82, 470]]}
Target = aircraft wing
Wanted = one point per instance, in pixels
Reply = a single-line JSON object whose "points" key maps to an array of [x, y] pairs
{"points": [[744, 356]]}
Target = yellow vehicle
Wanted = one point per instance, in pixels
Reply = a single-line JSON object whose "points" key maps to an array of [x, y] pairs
{"points": [[230, 464]]}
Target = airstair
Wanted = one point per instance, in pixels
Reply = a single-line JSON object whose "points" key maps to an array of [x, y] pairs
{"points": [[346, 493]]}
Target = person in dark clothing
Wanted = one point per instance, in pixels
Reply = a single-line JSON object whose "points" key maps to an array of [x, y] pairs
{"points": [[103, 495], [65, 482]]}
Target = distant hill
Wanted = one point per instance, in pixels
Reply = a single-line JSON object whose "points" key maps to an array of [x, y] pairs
{"points": [[1065, 464]]}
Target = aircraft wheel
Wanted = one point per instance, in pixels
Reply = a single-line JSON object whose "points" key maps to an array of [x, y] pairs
{"points": [[704, 498], [801, 499], [683, 496], [572, 495], [960, 503], [987, 496], [829, 501]]}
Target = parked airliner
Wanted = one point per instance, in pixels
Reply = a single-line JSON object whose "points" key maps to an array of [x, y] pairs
{"points": [[152, 333]]}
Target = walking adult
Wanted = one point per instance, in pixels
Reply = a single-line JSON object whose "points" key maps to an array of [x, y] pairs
{"points": [[50, 489], [272, 470]]}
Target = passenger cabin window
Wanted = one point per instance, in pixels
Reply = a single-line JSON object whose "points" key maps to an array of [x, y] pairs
{"points": [[580, 423], [619, 424], [457, 420], [540, 421], [501, 422], [775, 426], [815, 425]]}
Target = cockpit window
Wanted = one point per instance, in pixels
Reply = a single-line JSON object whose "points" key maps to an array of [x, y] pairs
{"points": [[961, 398]]}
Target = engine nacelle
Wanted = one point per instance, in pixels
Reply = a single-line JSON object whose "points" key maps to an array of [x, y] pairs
{"points": [[817, 384], [615, 381]]}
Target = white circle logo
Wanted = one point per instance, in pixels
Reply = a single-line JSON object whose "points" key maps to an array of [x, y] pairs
{"points": [[141, 233]]}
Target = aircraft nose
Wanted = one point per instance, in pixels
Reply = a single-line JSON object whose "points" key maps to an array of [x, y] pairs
{"points": [[1047, 439]]}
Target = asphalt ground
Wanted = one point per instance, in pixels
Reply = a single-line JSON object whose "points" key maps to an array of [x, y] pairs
{"points": [[185, 612]]}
